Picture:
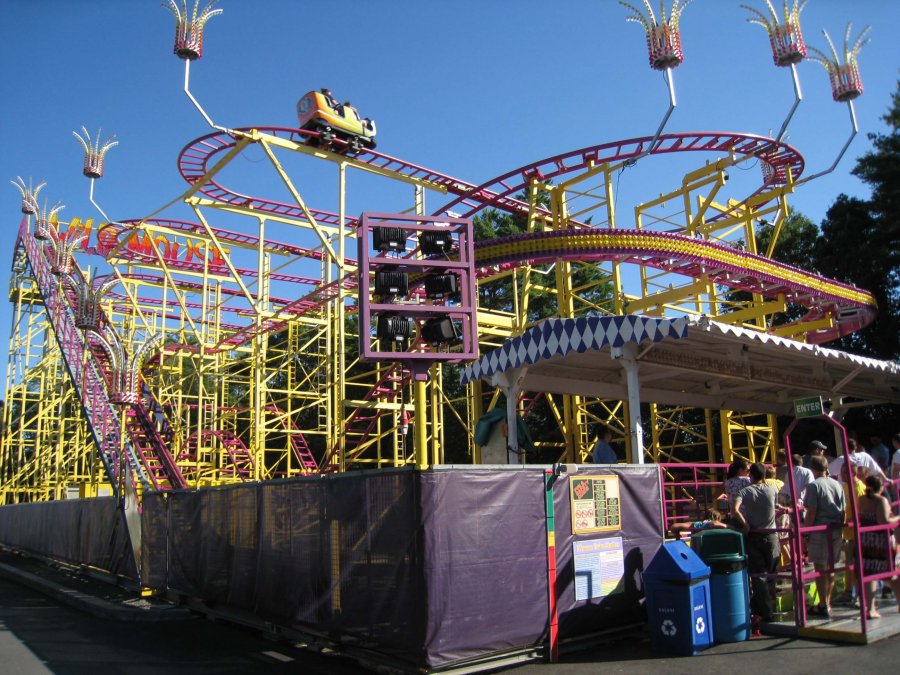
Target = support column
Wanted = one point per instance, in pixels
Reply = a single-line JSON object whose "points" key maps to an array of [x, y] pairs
{"points": [[627, 357], [512, 425], [511, 384], [421, 431]]}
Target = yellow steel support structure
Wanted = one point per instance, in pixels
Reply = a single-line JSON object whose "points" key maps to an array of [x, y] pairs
{"points": [[260, 369], [46, 450]]}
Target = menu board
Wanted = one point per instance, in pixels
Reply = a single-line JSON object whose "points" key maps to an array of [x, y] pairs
{"points": [[595, 503]]}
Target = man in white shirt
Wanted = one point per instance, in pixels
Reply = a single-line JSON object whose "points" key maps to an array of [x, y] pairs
{"points": [[857, 457], [802, 477]]}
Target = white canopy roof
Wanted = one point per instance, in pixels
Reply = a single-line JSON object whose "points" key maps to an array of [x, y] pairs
{"points": [[685, 361]]}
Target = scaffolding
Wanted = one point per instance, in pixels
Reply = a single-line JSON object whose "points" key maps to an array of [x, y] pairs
{"points": [[164, 354]]}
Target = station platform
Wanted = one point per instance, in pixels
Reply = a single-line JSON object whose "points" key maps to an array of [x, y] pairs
{"points": [[843, 626]]}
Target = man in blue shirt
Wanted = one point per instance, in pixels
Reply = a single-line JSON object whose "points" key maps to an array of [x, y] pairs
{"points": [[603, 452]]}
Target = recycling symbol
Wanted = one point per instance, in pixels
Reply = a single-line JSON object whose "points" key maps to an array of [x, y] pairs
{"points": [[668, 628], [700, 625]]}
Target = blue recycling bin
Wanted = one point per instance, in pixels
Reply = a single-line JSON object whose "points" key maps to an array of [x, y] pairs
{"points": [[729, 585], [679, 615]]}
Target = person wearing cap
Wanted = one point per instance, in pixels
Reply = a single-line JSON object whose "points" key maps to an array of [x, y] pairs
{"points": [[815, 449]]}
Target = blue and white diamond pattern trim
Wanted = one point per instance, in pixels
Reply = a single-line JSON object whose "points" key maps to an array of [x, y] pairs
{"points": [[558, 337]]}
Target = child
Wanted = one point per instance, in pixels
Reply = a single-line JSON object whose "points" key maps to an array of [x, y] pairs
{"points": [[715, 520]]}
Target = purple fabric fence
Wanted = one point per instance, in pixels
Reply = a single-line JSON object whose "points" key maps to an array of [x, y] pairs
{"points": [[79, 531], [485, 562], [431, 568], [334, 556], [618, 600]]}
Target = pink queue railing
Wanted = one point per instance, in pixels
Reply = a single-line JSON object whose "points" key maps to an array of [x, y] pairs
{"points": [[689, 491]]}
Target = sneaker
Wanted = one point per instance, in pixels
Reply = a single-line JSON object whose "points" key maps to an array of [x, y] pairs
{"points": [[819, 611]]}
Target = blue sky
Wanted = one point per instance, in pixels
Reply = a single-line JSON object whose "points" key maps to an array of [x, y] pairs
{"points": [[471, 88]]}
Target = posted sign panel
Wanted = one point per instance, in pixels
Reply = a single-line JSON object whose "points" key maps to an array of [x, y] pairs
{"points": [[595, 504]]}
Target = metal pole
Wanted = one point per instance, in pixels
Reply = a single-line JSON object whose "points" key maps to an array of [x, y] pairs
{"points": [[421, 405], [627, 355], [798, 96], [855, 130], [187, 79]]}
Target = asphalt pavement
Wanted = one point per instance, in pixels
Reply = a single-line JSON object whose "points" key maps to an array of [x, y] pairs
{"points": [[57, 620]]}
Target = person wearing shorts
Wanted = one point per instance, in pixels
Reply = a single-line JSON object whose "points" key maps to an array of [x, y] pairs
{"points": [[825, 505]]}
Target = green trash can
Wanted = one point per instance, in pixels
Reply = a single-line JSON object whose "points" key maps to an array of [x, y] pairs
{"points": [[729, 585]]}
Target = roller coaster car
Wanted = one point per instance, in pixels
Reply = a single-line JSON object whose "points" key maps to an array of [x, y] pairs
{"points": [[342, 122]]}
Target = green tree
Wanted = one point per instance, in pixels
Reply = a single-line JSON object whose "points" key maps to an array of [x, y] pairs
{"points": [[860, 241], [796, 239], [859, 245]]}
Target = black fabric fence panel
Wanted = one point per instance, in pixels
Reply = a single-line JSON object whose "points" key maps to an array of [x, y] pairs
{"points": [[432, 568], [336, 555], [79, 531], [636, 539]]}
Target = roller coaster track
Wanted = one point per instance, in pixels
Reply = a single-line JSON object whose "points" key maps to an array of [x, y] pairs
{"points": [[778, 157], [361, 424], [299, 446], [298, 442], [195, 164], [100, 413], [145, 442], [850, 308], [111, 232], [195, 159], [145, 421]]}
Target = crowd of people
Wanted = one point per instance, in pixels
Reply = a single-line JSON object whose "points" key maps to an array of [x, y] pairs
{"points": [[760, 502]]}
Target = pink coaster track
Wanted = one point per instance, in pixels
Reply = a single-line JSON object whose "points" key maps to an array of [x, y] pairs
{"points": [[852, 308], [195, 161], [497, 192]]}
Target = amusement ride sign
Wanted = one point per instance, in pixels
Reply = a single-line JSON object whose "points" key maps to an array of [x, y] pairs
{"points": [[809, 407], [595, 504]]}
